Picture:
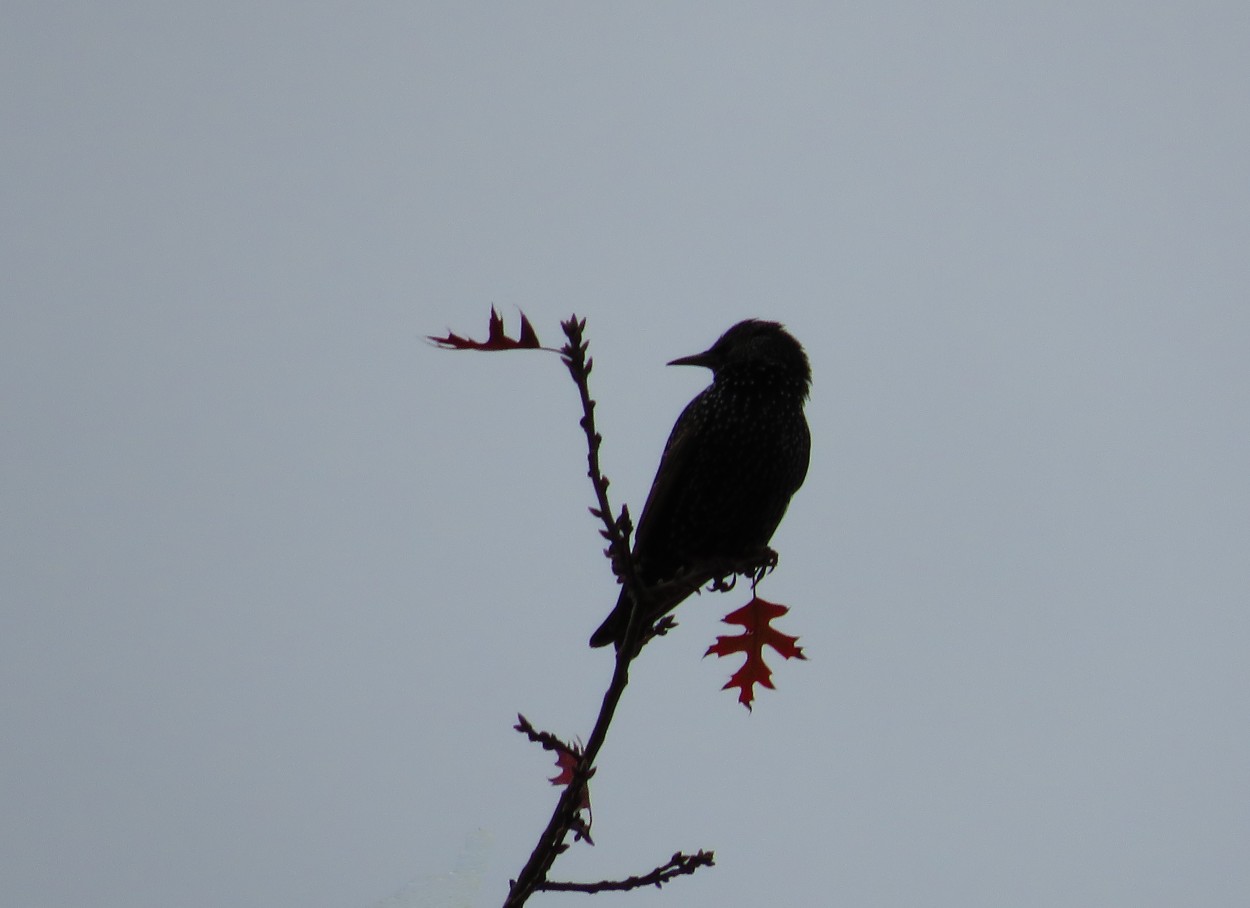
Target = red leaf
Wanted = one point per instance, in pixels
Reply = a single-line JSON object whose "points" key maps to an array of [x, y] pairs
{"points": [[755, 617], [568, 756], [496, 337], [566, 762]]}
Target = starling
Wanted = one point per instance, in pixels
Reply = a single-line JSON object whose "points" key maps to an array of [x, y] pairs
{"points": [[735, 456]]}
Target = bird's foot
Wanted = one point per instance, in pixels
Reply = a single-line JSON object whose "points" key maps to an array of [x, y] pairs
{"points": [[754, 566]]}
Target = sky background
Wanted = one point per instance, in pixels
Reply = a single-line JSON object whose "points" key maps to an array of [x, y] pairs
{"points": [[277, 575]]}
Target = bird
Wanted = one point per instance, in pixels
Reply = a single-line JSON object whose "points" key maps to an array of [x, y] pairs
{"points": [[736, 455]]}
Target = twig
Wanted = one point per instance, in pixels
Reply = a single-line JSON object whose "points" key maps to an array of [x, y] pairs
{"points": [[678, 865], [551, 842], [615, 531]]}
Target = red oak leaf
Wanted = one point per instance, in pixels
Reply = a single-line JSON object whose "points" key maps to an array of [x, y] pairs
{"points": [[755, 617], [566, 762], [496, 337], [568, 756]]}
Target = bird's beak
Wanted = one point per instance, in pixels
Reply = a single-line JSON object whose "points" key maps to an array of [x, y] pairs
{"points": [[698, 359]]}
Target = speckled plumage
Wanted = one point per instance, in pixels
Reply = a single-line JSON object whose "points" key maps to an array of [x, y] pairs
{"points": [[736, 455]]}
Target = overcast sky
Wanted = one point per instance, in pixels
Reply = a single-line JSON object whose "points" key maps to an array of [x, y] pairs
{"points": [[277, 575]]}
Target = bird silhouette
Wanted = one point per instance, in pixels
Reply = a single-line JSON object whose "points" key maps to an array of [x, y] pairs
{"points": [[734, 458]]}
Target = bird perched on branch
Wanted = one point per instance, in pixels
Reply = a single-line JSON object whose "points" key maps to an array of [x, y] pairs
{"points": [[736, 455]]}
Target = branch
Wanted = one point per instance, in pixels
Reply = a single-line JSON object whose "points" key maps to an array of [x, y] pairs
{"points": [[617, 530], [551, 842], [678, 865]]}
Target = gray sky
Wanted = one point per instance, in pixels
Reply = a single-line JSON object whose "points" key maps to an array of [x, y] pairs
{"points": [[277, 575]]}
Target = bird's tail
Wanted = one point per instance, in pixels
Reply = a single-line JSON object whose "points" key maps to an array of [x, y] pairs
{"points": [[613, 628], [663, 598]]}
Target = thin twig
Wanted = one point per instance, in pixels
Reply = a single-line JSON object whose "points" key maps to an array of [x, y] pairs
{"points": [[616, 530], [678, 865]]}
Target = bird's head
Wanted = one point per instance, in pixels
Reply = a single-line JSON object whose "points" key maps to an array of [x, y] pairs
{"points": [[754, 343]]}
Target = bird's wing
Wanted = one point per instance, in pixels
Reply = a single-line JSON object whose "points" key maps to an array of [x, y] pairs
{"points": [[669, 477], [805, 447]]}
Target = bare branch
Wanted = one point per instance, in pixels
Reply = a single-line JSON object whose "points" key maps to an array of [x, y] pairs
{"points": [[679, 865], [564, 818]]}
